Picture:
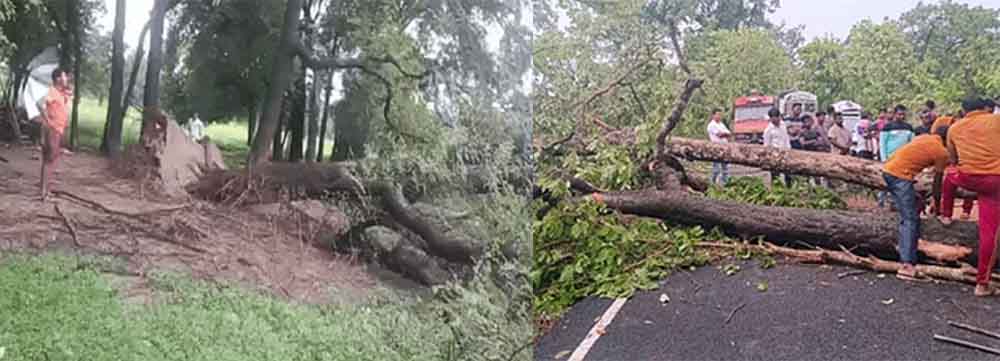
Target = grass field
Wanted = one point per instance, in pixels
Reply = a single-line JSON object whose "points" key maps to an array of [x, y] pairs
{"points": [[61, 308], [230, 136]]}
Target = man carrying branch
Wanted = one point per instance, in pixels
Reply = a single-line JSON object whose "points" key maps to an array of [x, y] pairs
{"points": [[900, 173], [54, 118]]}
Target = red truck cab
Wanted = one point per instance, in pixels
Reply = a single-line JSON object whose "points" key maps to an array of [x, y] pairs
{"points": [[750, 117]]}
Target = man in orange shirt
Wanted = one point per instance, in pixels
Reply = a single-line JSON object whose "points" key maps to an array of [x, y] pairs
{"points": [[899, 172], [55, 117], [973, 146]]}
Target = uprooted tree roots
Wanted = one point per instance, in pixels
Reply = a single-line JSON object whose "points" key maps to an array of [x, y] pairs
{"points": [[388, 228]]}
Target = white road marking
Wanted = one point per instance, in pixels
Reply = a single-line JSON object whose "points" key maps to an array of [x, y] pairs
{"points": [[598, 330]]}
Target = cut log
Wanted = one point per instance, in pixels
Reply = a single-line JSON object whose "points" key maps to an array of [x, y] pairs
{"points": [[849, 169], [871, 233]]}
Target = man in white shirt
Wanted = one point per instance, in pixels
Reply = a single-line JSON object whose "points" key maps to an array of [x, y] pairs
{"points": [[776, 136], [718, 133], [196, 128]]}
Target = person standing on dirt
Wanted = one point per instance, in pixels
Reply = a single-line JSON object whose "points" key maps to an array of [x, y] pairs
{"points": [[54, 118], [196, 128], [900, 174], [776, 136], [973, 146], [718, 133]]}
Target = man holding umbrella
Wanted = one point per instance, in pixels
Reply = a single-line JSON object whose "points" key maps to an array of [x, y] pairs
{"points": [[54, 118]]}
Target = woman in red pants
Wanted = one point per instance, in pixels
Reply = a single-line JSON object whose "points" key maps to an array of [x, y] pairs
{"points": [[973, 146]]}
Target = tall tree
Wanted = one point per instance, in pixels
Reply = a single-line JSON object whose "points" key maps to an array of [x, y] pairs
{"points": [[880, 68], [327, 91], [111, 145], [74, 16], [822, 66], [151, 96]]}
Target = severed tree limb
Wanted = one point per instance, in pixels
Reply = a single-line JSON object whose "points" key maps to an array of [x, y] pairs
{"points": [[69, 224], [964, 274], [968, 344], [849, 169]]}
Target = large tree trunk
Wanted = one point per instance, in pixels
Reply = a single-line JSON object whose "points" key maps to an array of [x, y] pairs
{"points": [[875, 233], [78, 33], [151, 96], [849, 169], [133, 78], [297, 119], [281, 76], [314, 109], [326, 116], [251, 123]]}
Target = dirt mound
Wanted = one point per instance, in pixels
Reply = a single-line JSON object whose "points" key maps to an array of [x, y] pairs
{"points": [[167, 160], [111, 216]]}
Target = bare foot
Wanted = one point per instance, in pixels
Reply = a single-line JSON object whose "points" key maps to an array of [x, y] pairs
{"points": [[965, 217], [944, 220]]}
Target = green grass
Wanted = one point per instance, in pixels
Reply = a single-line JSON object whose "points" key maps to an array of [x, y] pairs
{"points": [[57, 307], [230, 136]]}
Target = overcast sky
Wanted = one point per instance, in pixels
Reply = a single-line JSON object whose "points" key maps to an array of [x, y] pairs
{"points": [[820, 17], [836, 17]]}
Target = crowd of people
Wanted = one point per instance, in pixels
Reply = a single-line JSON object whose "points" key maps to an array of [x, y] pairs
{"points": [[962, 149]]}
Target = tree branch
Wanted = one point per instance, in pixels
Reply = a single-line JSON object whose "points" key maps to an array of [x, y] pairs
{"points": [[681, 59]]}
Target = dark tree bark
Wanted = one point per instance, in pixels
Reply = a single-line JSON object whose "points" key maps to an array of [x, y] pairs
{"points": [[78, 34], [326, 115], [112, 138], [251, 123], [314, 109], [134, 77], [875, 233], [849, 169], [281, 76], [313, 94], [151, 96], [297, 120]]}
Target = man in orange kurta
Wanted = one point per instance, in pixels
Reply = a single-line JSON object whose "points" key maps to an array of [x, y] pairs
{"points": [[55, 117]]}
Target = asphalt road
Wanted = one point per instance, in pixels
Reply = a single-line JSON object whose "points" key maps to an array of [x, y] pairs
{"points": [[807, 312]]}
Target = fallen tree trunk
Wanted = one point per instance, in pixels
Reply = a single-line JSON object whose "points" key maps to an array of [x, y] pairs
{"points": [[269, 182], [849, 169], [870, 233]]}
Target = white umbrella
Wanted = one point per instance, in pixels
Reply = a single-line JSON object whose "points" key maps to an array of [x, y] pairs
{"points": [[39, 80]]}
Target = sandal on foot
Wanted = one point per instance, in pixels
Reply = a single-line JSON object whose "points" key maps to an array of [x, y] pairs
{"points": [[990, 291]]}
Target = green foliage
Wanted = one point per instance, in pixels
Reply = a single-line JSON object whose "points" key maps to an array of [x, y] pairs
{"points": [[583, 250], [823, 70], [733, 63], [752, 190], [881, 69], [198, 321]]}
